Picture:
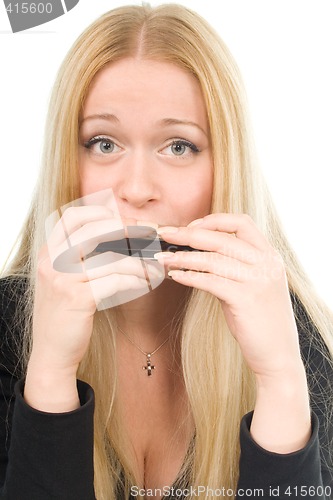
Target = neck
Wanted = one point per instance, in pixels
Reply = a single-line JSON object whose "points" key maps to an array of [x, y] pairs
{"points": [[154, 314]]}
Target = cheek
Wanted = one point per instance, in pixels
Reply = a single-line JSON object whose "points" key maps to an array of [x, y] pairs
{"points": [[87, 182], [202, 199], [194, 197], [91, 182], [203, 190]]}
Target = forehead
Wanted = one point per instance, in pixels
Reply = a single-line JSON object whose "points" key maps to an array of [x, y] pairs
{"points": [[157, 89]]}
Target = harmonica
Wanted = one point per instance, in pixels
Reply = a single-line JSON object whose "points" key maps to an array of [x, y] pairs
{"points": [[141, 242], [144, 248]]}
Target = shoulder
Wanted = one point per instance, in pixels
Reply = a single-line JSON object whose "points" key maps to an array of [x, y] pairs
{"points": [[12, 290]]}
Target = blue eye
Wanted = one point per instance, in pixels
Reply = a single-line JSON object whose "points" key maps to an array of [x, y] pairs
{"points": [[181, 147], [105, 145], [178, 148]]}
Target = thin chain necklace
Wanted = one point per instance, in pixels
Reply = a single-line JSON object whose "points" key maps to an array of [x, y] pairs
{"points": [[149, 367]]}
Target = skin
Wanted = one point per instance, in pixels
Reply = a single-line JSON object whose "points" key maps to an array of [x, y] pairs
{"points": [[146, 110]]}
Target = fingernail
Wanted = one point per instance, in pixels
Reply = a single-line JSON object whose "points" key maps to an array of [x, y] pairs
{"points": [[175, 273], [195, 222], [155, 272], [163, 255], [167, 229]]}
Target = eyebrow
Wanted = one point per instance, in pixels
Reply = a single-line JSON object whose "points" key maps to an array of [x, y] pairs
{"points": [[176, 121], [103, 116], [164, 122]]}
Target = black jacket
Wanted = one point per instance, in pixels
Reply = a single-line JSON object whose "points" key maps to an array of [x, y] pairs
{"points": [[47, 456]]}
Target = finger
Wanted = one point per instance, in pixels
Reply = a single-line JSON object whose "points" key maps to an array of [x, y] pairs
{"points": [[114, 229], [223, 288], [83, 241], [239, 225], [208, 262], [109, 286], [212, 241], [67, 229], [75, 217], [242, 225], [110, 230], [109, 263]]}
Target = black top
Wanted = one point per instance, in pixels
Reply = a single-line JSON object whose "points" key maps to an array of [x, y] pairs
{"points": [[45, 456]]}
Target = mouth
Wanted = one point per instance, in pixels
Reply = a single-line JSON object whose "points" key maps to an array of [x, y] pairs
{"points": [[155, 225], [133, 221]]}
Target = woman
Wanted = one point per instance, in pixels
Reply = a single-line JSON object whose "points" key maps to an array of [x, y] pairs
{"points": [[149, 103]]}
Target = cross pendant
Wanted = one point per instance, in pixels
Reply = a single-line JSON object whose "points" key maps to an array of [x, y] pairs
{"points": [[149, 366]]}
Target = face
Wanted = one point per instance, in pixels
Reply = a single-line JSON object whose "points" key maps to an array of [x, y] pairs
{"points": [[144, 133]]}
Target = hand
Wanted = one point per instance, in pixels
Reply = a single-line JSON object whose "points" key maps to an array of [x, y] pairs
{"points": [[241, 269], [65, 302]]}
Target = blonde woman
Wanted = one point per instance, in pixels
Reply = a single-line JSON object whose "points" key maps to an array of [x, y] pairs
{"points": [[218, 381]]}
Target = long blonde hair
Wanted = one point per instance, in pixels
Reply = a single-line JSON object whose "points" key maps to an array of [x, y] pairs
{"points": [[219, 399]]}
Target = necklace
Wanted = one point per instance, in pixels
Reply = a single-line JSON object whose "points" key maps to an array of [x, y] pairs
{"points": [[149, 367]]}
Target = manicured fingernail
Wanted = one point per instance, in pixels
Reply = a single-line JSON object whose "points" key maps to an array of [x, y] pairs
{"points": [[155, 272], [163, 255], [167, 229], [195, 222], [175, 273]]}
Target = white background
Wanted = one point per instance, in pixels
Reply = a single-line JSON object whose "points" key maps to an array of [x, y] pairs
{"points": [[284, 49]]}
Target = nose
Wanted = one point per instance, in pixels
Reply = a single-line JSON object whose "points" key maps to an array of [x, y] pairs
{"points": [[138, 186]]}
